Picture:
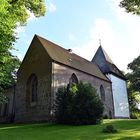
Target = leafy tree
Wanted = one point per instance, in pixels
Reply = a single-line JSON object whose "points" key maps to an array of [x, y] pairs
{"points": [[134, 83], [13, 13], [134, 75], [131, 6], [8, 74], [78, 105]]}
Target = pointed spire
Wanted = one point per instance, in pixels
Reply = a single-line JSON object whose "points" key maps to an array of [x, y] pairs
{"points": [[104, 62], [108, 59]]}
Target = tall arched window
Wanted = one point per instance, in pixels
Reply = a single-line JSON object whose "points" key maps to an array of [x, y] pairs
{"points": [[73, 79], [32, 88], [102, 93]]}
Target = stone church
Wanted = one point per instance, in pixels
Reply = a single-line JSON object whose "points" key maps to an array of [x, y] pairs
{"points": [[47, 66]]}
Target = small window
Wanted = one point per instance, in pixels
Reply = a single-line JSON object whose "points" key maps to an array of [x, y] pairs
{"points": [[32, 84], [102, 93], [73, 79]]}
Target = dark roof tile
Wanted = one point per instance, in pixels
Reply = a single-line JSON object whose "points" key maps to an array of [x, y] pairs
{"points": [[65, 57], [106, 65]]}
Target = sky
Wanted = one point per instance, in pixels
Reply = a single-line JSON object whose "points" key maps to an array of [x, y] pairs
{"points": [[80, 24]]}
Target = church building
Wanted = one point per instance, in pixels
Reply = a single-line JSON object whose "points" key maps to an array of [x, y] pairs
{"points": [[47, 66]]}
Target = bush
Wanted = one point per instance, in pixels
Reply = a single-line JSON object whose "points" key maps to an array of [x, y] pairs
{"points": [[110, 129], [135, 114], [105, 117], [78, 105]]}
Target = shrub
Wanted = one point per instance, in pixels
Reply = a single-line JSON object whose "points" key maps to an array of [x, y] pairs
{"points": [[135, 114], [105, 117], [110, 129], [78, 105]]}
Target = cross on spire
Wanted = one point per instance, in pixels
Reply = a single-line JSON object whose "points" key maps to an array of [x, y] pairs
{"points": [[99, 42]]}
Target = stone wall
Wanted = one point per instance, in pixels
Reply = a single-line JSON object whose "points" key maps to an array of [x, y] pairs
{"points": [[7, 109], [61, 75], [39, 63]]}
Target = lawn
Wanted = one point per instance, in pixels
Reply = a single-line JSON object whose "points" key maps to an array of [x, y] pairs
{"points": [[127, 130]]}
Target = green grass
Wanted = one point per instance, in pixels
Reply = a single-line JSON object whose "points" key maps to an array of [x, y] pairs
{"points": [[127, 130]]}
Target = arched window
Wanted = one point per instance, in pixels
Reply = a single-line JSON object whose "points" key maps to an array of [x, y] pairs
{"points": [[32, 88], [73, 79], [102, 93]]}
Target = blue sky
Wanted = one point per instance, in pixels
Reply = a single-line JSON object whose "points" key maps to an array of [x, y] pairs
{"points": [[79, 24]]}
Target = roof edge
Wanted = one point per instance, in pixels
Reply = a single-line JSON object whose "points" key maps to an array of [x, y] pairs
{"points": [[83, 71]]}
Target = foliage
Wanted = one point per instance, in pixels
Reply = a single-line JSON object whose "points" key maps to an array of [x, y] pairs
{"points": [[134, 85], [109, 129], [80, 107], [13, 13], [63, 100], [8, 75], [3, 98], [134, 75], [105, 116], [135, 114], [132, 6]]}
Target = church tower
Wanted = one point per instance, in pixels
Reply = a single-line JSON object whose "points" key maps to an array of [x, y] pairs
{"points": [[119, 87]]}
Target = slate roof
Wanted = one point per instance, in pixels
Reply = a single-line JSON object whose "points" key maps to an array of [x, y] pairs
{"points": [[105, 63], [64, 56]]}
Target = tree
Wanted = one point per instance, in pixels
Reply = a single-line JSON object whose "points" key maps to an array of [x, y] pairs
{"points": [[78, 105], [13, 13], [134, 75], [131, 6], [134, 84]]}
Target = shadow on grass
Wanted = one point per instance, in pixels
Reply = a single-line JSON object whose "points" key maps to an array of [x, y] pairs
{"points": [[127, 130]]}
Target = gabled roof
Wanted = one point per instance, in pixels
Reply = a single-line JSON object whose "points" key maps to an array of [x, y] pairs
{"points": [[65, 57], [106, 65]]}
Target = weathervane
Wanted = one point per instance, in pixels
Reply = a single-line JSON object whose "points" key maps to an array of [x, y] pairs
{"points": [[100, 42]]}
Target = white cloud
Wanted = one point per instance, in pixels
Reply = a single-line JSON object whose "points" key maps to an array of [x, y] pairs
{"points": [[118, 11], [128, 38], [20, 29], [51, 7], [121, 42], [100, 30], [121, 13], [20, 56], [31, 16]]}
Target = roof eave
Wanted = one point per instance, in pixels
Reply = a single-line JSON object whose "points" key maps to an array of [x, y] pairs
{"points": [[107, 80]]}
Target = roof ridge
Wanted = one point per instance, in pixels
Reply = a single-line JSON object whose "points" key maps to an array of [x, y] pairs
{"points": [[50, 42], [107, 57], [63, 56], [63, 48]]}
